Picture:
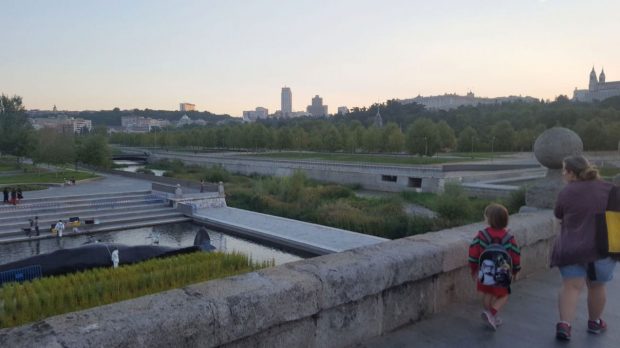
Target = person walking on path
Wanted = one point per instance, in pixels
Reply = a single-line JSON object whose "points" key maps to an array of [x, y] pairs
{"points": [[13, 196], [60, 227], [20, 195], [494, 257], [36, 225], [575, 251], [5, 192], [202, 185], [30, 228]]}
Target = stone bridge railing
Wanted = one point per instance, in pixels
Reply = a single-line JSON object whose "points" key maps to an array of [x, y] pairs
{"points": [[329, 301]]}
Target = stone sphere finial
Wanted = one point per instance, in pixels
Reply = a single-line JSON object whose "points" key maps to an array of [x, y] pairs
{"points": [[556, 143]]}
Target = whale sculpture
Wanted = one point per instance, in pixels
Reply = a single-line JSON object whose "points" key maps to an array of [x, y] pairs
{"points": [[94, 255]]}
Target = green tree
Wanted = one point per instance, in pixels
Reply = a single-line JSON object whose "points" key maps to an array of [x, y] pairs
{"points": [[393, 138], [54, 148], [467, 139], [423, 137], [372, 139], [332, 140], [94, 150], [16, 133], [447, 139], [502, 136]]}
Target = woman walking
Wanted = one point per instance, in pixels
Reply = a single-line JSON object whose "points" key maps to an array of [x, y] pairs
{"points": [[575, 251]]}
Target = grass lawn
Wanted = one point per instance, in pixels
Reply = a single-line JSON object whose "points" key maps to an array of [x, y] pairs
{"points": [[609, 172], [360, 158], [44, 177]]}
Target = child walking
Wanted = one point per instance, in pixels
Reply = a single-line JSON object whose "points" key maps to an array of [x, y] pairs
{"points": [[494, 257]]}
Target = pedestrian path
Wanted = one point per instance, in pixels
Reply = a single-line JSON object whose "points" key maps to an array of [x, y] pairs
{"points": [[308, 237], [529, 321]]}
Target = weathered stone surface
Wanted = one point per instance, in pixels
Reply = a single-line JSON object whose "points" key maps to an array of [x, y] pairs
{"points": [[39, 334], [353, 275], [454, 286], [299, 333], [529, 228], [556, 143], [350, 323], [544, 192], [453, 244], [163, 320], [408, 303], [251, 303], [536, 256]]}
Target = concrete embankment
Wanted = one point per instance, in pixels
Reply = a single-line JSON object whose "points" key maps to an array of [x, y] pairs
{"points": [[333, 300]]}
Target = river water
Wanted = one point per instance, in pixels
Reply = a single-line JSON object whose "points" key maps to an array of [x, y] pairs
{"points": [[174, 235], [131, 166]]}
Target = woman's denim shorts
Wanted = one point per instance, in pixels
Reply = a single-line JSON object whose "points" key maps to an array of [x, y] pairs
{"points": [[598, 271]]}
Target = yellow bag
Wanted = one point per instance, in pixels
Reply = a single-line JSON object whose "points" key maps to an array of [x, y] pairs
{"points": [[612, 220], [608, 227]]}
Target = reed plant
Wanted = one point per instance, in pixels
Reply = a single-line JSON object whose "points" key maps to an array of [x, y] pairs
{"points": [[29, 301]]}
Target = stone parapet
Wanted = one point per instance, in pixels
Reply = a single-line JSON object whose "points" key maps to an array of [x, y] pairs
{"points": [[333, 300]]}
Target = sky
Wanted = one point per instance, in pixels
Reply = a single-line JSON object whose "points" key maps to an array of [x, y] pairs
{"points": [[228, 56]]}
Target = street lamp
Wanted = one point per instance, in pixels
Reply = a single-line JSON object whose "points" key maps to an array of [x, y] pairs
{"points": [[492, 142]]}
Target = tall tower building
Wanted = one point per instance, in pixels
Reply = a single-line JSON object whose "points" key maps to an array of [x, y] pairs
{"points": [[593, 81], [286, 102], [317, 108]]}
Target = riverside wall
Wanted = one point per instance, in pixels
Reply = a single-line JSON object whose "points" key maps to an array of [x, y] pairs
{"points": [[369, 176], [333, 300]]}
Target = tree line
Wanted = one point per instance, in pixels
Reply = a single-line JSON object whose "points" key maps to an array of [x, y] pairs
{"points": [[408, 128], [20, 139]]}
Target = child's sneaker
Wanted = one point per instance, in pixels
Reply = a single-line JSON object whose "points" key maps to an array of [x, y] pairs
{"points": [[562, 331], [489, 319], [498, 321], [596, 326]]}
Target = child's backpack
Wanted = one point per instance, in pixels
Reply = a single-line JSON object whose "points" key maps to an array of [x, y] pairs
{"points": [[495, 264]]}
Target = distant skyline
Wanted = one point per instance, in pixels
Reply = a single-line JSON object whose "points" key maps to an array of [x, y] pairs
{"points": [[231, 56]]}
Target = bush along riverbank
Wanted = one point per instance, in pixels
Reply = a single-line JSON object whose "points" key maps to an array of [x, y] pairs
{"points": [[299, 198]]}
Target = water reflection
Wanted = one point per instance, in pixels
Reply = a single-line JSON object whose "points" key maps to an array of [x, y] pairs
{"points": [[174, 235], [131, 166]]}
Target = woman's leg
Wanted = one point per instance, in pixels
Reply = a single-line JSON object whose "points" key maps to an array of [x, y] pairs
{"points": [[597, 296], [569, 294]]}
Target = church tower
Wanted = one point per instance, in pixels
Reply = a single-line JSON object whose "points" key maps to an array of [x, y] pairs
{"points": [[601, 78], [378, 119], [593, 82]]}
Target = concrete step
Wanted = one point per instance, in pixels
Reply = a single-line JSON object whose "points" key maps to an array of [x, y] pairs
{"points": [[97, 229], [144, 220], [61, 207], [48, 219], [77, 201], [22, 216], [86, 196]]}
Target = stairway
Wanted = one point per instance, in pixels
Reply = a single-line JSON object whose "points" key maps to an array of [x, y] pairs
{"points": [[112, 211]]}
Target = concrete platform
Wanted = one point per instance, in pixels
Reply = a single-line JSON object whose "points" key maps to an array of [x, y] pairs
{"points": [[529, 321], [304, 236]]}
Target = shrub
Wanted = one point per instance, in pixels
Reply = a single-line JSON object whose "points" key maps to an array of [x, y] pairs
{"points": [[516, 200], [453, 204]]}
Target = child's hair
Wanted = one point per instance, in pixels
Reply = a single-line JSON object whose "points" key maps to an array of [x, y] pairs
{"points": [[496, 215]]}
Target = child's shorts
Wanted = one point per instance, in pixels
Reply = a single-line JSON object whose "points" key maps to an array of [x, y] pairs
{"points": [[598, 271], [493, 290]]}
